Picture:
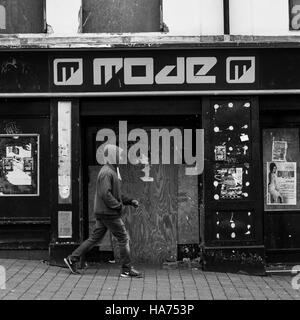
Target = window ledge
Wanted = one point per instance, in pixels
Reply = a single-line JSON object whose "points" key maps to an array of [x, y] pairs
{"points": [[139, 40]]}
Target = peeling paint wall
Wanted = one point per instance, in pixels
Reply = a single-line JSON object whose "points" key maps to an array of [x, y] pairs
{"points": [[63, 17], [26, 16], [190, 17]]}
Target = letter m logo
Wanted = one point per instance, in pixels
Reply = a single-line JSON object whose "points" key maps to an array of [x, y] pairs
{"points": [[240, 69], [68, 72]]}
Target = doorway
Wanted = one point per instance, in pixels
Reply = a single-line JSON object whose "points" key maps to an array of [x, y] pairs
{"points": [[168, 215], [280, 130]]}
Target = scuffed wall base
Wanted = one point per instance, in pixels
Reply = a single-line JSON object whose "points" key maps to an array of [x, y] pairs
{"points": [[235, 260], [291, 256], [59, 251], [24, 254]]}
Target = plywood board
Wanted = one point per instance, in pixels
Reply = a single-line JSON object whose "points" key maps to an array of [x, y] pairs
{"points": [[153, 226]]}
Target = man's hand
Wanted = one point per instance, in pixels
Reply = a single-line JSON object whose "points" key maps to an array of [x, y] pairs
{"points": [[135, 203]]}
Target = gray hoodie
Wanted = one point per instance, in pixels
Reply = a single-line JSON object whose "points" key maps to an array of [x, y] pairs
{"points": [[109, 200]]}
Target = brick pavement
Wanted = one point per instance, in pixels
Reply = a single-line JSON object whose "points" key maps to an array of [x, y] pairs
{"points": [[35, 280]]}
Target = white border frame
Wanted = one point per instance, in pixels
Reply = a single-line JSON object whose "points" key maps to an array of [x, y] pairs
{"points": [[38, 164]]}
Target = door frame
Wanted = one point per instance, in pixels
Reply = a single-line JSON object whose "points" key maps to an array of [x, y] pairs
{"points": [[139, 107]]}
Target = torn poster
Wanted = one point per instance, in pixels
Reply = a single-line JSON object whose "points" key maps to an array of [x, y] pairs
{"points": [[279, 150]]}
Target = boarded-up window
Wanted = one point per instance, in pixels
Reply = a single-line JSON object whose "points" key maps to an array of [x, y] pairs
{"points": [[22, 16], [121, 16]]}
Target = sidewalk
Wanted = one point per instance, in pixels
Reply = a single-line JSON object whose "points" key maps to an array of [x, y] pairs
{"points": [[35, 280]]}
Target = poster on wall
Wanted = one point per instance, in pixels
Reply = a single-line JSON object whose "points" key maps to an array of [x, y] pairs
{"points": [[279, 149], [281, 182], [220, 153], [281, 156], [230, 182], [64, 152], [65, 224], [19, 165]]}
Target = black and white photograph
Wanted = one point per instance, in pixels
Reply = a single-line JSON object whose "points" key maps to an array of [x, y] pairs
{"points": [[149, 153]]}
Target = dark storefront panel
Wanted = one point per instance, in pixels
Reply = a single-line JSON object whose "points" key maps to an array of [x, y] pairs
{"points": [[24, 200], [233, 219], [167, 223], [278, 69], [231, 173], [23, 72], [280, 121]]}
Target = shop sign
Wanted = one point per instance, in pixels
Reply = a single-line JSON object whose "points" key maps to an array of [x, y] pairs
{"points": [[153, 71], [159, 71], [142, 71]]}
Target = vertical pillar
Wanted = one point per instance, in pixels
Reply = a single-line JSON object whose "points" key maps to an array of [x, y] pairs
{"points": [[233, 190], [226, 17], [65, 184]]}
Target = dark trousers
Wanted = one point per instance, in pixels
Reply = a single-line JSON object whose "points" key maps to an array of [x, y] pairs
{"points": [[117, 227]]}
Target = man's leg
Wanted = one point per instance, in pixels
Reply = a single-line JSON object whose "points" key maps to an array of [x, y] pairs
{"points": [[118, 229], [88, 244]]}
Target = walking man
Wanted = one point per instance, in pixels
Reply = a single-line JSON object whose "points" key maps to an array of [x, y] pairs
{"points": [[108, 206]]}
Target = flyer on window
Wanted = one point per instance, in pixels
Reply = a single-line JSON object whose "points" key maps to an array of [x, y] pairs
{"points": [[19, 165], [279, 149], [281, 183]]}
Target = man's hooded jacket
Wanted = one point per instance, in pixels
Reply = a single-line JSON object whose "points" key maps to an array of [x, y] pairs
{"points": [[109, 200]]}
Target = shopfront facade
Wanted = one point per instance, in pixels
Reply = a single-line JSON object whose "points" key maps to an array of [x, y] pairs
{"points": [[240, 107]]}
